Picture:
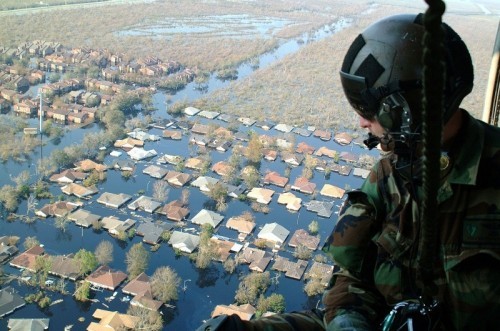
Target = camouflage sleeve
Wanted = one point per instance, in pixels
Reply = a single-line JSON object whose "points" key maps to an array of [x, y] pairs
{"points": [[351, 247]]}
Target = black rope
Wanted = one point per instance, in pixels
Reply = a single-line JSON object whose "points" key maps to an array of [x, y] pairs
{"points": [[433, 101]]}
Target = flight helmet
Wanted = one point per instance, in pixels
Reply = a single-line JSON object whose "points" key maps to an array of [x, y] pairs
{"points": [[382, 73]]}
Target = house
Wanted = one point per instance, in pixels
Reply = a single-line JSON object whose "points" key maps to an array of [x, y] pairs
{"points": [[204, 183], [246, 121], [292, 159], [245, 311], [106, 277], [58, 209], [114, 225], [222, 168], [326, 152], [302, 237], [322, 134], [257, 259], [320, 271], [304, 148], [291, 269], [155, 171], [144, 203], [174, 210], [177, 179], [79, 191], [7, 251], [89, 165], [172, 134], [283, 128], [185, 242], [68, 176], [191, 111], [200, 129], [360, 172], [265, 124], [322, 208], [199, 140], [9, 301], [27, 259], [274, 178], [240, 224], [274, 232], [302, 132], [208, 114], [140, 288], [128, 143], [234, 191], [28, 324], [205, 216], [270, 154], [139, 153], [113, 200], [223, 248], [220, 145], [65, 266], [84, 218], [143, 136], [152, 232], [342, 138], [349, 157], [171, 159], [123, 165], [261, 195], [332, 191], [194, 163], [290, 200], [226, 118], [112, 320], [303, 185]]}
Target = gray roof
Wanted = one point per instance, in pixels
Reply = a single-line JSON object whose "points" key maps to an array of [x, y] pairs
{"points": [[28, 324], [9, 301], [186, 242], [207, 216], [152, 231], [274, 232]]}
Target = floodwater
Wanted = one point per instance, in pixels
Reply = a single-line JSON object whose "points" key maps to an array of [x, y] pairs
{"points": [[203, 288]]}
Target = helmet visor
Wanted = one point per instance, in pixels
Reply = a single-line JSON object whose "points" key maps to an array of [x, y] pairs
{"points": [[355, 88]]}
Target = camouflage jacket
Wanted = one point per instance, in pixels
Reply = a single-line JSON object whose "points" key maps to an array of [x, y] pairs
{"points": [[375, 241]]}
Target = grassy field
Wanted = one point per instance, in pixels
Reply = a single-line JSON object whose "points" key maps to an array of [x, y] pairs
{"points": [[302, 88], [22, 4]]}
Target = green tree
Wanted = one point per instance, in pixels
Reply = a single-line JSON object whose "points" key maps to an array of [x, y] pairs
{"points": [[251, 287], [274, 303], [165, 284], [82, 291], [253, 151], [206, 249], [218, 193], [86, 260], [104, 252], [313, 227], [137, 259], [43, 264]]}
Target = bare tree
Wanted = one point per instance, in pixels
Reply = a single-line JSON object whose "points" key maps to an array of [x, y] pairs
{"points": [[30, 242], [148, 319], [160, 190], [137, 259], [165, 284], [104, 252]]}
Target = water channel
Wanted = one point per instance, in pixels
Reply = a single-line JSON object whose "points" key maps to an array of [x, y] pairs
{"points": [[204, 288]]}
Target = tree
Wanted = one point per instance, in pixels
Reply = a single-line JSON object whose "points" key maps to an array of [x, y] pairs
{"points": [[43, 264], [137, 259], [10, 198], [302, 252], [61, 223], [160, 190], [274, 303], [86, 260], [314, 287], [253, 151], [165, 284], [230, 265], [82, 291], [251, 287], [104, 252], [206, 250], [250, 176], [30, 242], [313, 227], [218, 193], [185, 196], [148, 319]]}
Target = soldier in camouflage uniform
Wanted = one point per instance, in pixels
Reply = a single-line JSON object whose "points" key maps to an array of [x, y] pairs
{"points": [[375, 243]]}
